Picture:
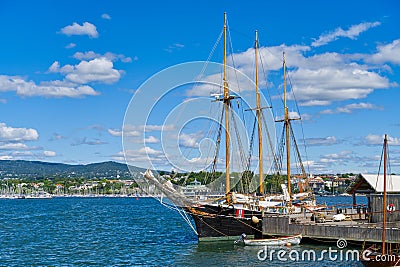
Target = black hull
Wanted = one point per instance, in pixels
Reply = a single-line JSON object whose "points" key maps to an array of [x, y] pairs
{"points": [[376, 259], [214, 223], [375, 262]]}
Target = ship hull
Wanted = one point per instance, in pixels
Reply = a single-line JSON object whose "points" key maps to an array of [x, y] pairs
{"points": [[212, 223], [375, 262], [376, 259]]}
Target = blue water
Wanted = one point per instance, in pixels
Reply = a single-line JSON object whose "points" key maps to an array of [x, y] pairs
{"points": [[115, 232]]}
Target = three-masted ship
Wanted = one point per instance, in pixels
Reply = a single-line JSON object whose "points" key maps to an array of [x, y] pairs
{"points": [[236, 213]]}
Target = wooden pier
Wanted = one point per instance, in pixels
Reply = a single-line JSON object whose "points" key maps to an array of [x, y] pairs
{"points": [[350, 230]]}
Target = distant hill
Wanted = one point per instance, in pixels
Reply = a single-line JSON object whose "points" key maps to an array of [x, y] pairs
{"points": [[39, 169]]}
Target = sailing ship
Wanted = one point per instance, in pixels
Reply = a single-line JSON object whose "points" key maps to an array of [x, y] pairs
{"points": [[236, 213], [241, 213], [381, 256]]}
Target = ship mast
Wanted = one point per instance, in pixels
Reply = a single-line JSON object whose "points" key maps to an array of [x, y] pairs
{"points": [[287, 125], [258, 112], [226, 101], [384, 196]]}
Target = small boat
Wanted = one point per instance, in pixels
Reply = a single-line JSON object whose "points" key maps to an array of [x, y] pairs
{"points": [[278, 241]]}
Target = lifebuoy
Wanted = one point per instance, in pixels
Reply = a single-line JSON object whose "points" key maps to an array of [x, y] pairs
{"points": [[391, 208]]}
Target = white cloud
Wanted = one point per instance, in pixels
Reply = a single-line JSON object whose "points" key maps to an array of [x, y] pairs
{"points": [[389, 53], [130, 131], [149, 128], [96, 70], [6, 157], [110, 56], [342, 157], [115, 132], [327, 141], [148, 151], [271, 58], [318, 80], [352, 33], [70, 45], [151, 139], [292, 115], [373, 139], [146, 156], [48, 153], [105, 16], [315, 103], [136, 131], [8, 134], [55, 67], [46, 89], [329, 84], [14, 146], [86, 28], [189, 140], [349, 108]]}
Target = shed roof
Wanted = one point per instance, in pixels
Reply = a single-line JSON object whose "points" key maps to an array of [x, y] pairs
{"points": [[373, 183]]}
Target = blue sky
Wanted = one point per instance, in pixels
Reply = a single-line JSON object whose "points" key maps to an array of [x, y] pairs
{"points": [[69, 69]]}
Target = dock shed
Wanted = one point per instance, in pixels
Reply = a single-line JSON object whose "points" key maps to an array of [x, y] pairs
{"points": [[372, 186]]}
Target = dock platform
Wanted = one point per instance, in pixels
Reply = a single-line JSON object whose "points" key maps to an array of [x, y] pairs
{"points": [[353, 229]]}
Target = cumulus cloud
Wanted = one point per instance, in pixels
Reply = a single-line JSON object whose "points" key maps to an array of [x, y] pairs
{"points": [[86, 28], [318, 80], [352, 33], [96, 70], [389, 53], [321, 79], [8, 134], [329, 84], [46, 89]]}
